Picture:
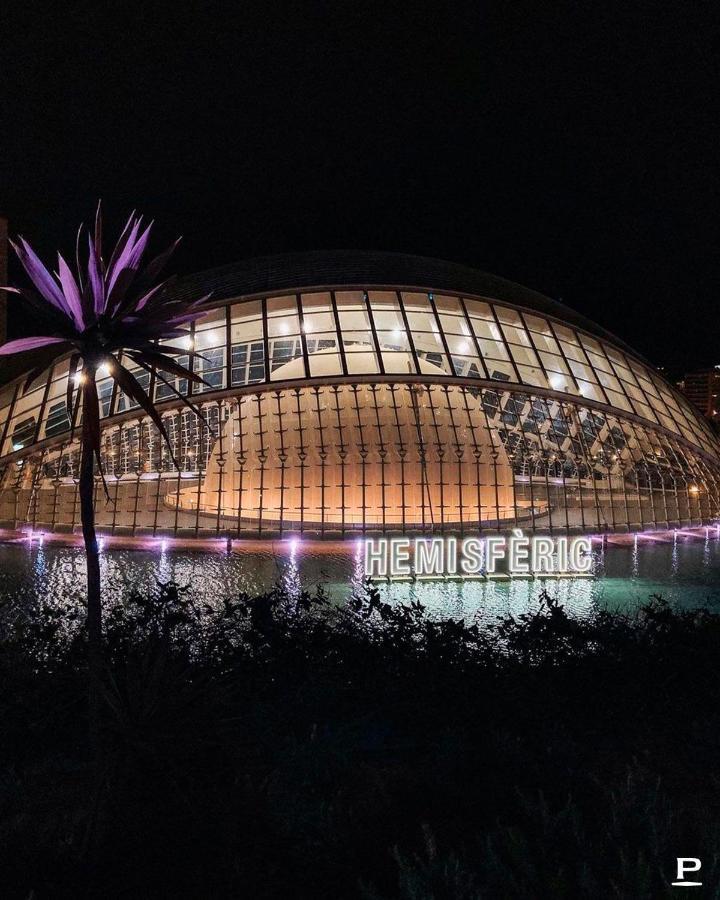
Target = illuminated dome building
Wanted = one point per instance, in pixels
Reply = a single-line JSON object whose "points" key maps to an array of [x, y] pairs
{"points": [[354, 392]]}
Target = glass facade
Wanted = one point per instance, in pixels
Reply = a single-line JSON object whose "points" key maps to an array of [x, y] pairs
{"points": [[361, 409]]}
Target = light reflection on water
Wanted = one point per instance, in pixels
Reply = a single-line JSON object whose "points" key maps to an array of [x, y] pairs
{"points": [[685, 571]]}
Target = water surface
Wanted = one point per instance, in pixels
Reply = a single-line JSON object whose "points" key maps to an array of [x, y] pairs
{"points": [[685, 571]]}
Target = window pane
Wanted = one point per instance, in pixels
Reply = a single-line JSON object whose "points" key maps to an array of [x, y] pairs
{"points": [[591, 391], [580, 370], [508, 316], [317, 312], [463, 346], [281, 306], [211, 368], [386, 310], [532, 376], [287, 324], [560, 382], [454, 325], [617, 399], [468, 367], [485, 329], [479, 310], [422, 322], [545, 342], [396, 339], [361, 359], [516, 335], [283, 351], [248, 363], [493, 349], [325, 362], [524, 356], [554, 363]]}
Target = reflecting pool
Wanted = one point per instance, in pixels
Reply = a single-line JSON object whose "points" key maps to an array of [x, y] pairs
{"points": [[684, 569]]}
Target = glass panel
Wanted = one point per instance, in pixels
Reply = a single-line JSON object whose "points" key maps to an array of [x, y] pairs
{"points": [[591, 391], [422, 322], [25, 414], [454, 325], [524, 356], [615, 398], [214, 337], [107, 385], [537, 325], [561, 382], [598, 362], [493, 349], [386, 311], [354, 320], [532, 376], [281, 306], [432, 343], [317, 313], [282, 352], [572, 351], [246, 322], [554, 363], [398, 363], [325, 363], [447, 304], [22, 432], [564, 333], [211, 368], [56, 403], [509, 316], [634, 392], [468, 367], [429, 362], [56, 419], [248, 363], [394, 340], [580, 370], [486, 329], [479, 310], [545, 342], [361, 359], [463, 346], [414, 302], [516, 335], [281, 326], [500, 371], [350, 300]]}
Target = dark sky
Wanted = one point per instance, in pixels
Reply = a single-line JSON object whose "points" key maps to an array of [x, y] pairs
{"points": [[570, 146]]}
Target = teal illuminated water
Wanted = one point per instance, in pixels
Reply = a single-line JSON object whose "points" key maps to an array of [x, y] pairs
{"points": [[685, 571]]}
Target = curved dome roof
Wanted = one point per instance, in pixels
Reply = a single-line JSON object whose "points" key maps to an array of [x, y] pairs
{"points": [[370, 268]]}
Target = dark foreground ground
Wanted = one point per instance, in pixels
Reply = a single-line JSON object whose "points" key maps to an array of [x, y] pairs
{"points": [[281, 748]]}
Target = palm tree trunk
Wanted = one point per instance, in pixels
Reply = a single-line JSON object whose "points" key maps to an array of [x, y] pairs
{"points": [[92, 556]]}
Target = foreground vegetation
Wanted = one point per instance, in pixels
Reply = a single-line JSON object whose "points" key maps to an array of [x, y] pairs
{"points": [[279, 746]]}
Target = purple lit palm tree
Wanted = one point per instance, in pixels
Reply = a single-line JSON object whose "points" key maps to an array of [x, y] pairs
{"points": [[92, 314]]}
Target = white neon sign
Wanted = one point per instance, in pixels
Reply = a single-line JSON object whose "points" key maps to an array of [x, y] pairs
{"points": [[495, 556]]}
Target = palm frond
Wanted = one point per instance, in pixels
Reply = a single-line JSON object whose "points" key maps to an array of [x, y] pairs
{"points": [[100, 310]]}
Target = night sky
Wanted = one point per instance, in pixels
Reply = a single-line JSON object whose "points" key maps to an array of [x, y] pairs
{"points": [[572, 147]]}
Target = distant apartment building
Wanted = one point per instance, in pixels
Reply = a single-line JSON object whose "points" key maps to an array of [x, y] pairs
{"points": [[702, 389]]}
